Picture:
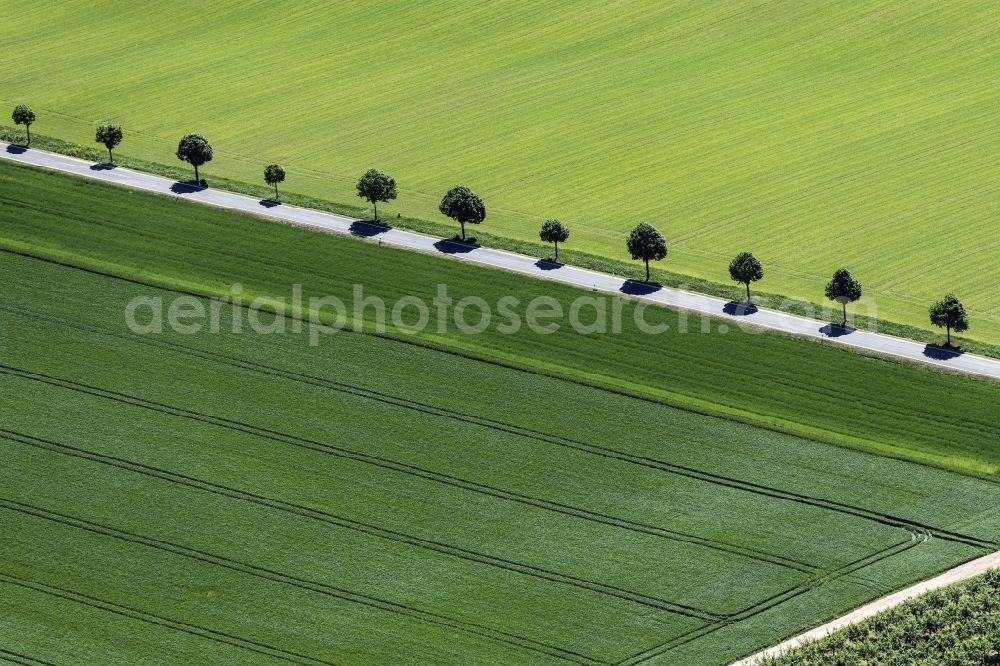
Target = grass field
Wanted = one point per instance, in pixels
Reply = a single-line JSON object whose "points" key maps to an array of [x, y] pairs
{"points": [[379, 500], [816, 134], [958, 625]]}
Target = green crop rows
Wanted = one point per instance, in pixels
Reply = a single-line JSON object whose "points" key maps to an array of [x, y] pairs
{"points": [[956, 625], [815, 134], [390, 499]]}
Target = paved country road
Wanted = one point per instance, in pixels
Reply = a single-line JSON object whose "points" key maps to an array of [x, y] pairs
{"points": [[716, 307], [950, 577]]}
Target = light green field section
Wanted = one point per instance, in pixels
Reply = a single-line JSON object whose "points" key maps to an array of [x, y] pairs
{"points": [[817, 134]]}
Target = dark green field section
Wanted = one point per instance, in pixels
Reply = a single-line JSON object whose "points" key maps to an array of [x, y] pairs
{"points": [[246, 498]]}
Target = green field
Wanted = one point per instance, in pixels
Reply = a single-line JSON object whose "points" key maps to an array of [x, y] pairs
{"points": [[390, 499], [957, 625], [816, 134]]}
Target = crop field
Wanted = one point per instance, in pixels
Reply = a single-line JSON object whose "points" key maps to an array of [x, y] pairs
{"points": [[224, 497], [818, 135], [956, 625]]}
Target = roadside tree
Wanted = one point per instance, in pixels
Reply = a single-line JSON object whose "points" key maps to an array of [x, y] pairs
{"points": [[375, 186], [646, 243], [464, 206], [844, 289], [555, 232]]}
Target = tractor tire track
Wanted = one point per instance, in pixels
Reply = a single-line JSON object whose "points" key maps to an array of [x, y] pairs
{"points": [[342, 594], [776, 600], [585, 514], [272, 371], [913, 527], [25, 660], [160, 621], [504, 563], [887, 519]]}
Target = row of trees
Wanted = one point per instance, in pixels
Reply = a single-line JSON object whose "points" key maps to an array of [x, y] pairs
{"points": [[644, 243]]}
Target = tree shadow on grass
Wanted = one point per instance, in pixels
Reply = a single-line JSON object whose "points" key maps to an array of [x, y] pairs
{"points": [[103, 166], [16, 150], [188, 187], [836, 330], [456, 245], [942, 353], [548, 265], [368, 229], [636, 288], [739, 308]]}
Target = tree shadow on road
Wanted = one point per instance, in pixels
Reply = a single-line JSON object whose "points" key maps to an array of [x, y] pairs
{"points": [[455, 246], [368, 229], [103, 166], [188, 187], [836, 330], [16, 150], [548, 265], [636, 288], [269, 203], [739, 308], [942, 353]]}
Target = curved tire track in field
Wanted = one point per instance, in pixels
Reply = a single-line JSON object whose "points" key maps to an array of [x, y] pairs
{"points": [[342, 594], [550, 505], [919, 533], [160, 621], [916, 530], [771, 602]]}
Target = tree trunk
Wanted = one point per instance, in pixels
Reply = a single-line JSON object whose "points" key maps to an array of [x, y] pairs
{"points": [[949, 334], [27, 128], [375, 204], [463, 229], [196, 180], [557, 250], [844, 305], [111, 159], [748, 293], [647, 270]]}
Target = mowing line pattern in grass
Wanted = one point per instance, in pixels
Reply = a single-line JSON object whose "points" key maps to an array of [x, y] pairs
{"points": [[813, 135]]}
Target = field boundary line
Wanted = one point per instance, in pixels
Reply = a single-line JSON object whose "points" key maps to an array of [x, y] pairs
{"points": [[954, 575], [517, 263], [646, 393]]}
